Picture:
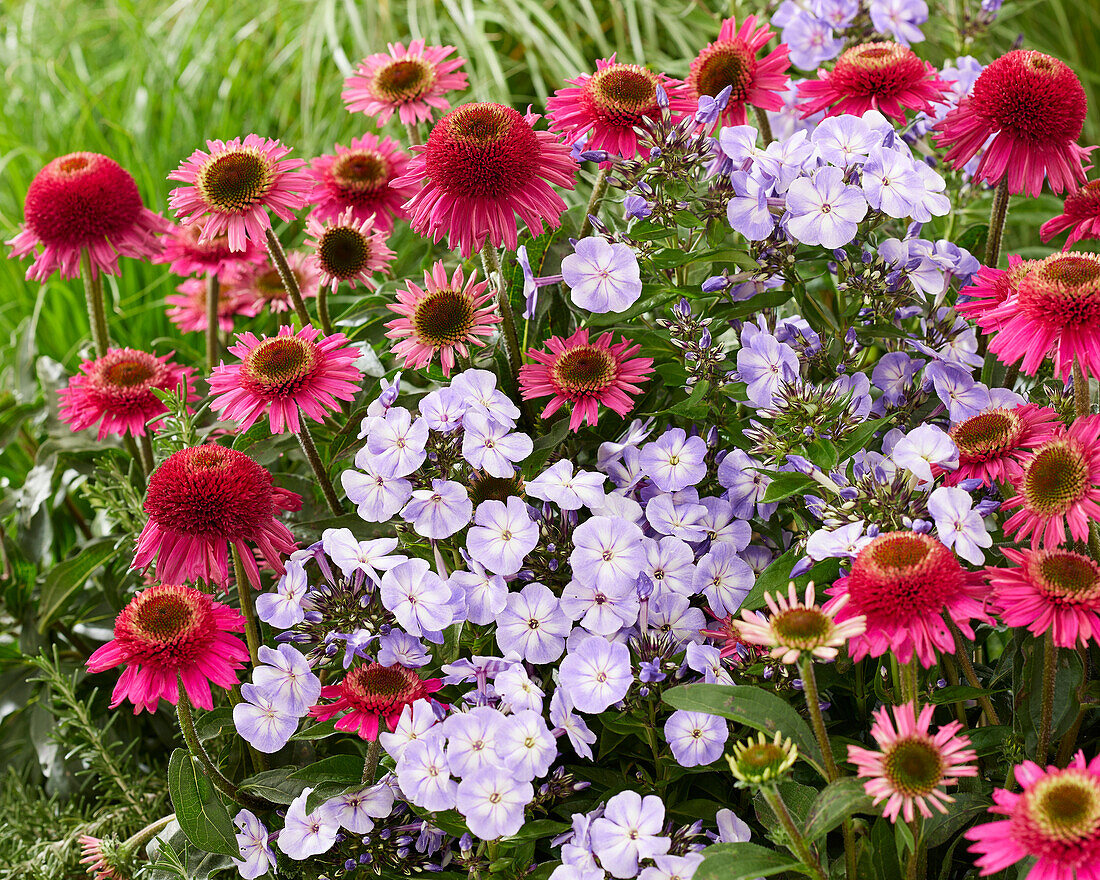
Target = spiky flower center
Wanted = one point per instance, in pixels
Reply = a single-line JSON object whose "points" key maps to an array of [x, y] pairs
{"points": [[901, 576], [1056, 478], [278, 366], [404, 79], [1084, 201], [269, 284], [484, 487], [129, 373], [1063, 290], [880, 69], [166, 625], [379, 682], [235, 180], [902, 553], [724, 63], [443, 317], [81, 198], [344, 252], [1065, 577], [1072, 270], [1066, 806], [163, 617], [758, 760], [760, 756], [803, 627], [623, 94], [914, 766], [987, 434], [1036, 98], [73, 163], [360, 171], [585, 370]]}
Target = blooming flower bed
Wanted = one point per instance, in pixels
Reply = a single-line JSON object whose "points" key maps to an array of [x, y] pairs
{"points": [[741, 520]]}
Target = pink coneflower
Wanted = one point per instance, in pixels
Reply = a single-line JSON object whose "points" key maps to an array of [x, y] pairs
{"points": [[1080, 215], [204, 498], [1055, 819], [347, 249], [585, 374], [887, 77], [283, 374], [260, 288], [85, 202], [912, 766], [727, 632], [361, 178], [104, 858], [482, 165], [994, 444], [169, 633], [373, 695], [1055, 591], [236, 184], [444, 317], [409, 82], [187, 308], [186, 255], [991, 288], [796, 626], [116, 390], [732, 60], [1033, 106], [610, 103], [1059, 487], [1055, 313], [903, 583]]}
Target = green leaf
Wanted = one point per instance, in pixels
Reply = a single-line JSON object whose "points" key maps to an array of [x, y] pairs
{"points": [[773, 579], [785, 485], [957, 693], [200, 812], [944, 826], [822, 453], [743, 861], [65, 579], [321, 730], [344, 769], [837, 801], [544, 446], [973, 238], [211, 723], [797, 797], [275, 785], [690, 404], [539, 828], [858, 438], [751, 706]]}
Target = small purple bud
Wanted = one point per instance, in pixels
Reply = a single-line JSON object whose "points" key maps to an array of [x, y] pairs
{"points": [[970, 484], [715, 283], [873, 530], [662, 98], [594, 156], [921, 526], [802, 566]]}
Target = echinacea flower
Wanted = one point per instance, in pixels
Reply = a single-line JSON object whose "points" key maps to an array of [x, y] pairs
{"points": [[106, 858], [585, 374], [1033, 107], [373, 695], [284, 375], [1059, 488], [85, 203], [912, 766], [887, 77], [1080, 215], [483, 165], [798, 626], [444, 317], [732, 60], [202, 499], [169, 634], [185, 254], [1055, 591], [116, 390], [1055, 819], [347, 249], [756, 761], [360, 178], [994, 444], [236, 183], [611, 103], [989, 289], [409, 82], [903, 583], [187, 309]]}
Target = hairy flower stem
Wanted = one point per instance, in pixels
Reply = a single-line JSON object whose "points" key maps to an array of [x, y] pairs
{"points": [[145, 444], [997, 217], [490, 262], [962, 654], [248, 608], [370, 766], [305, 439], [322, 310], [213, 344], [598, 190], [286, 275], [147, 833], [764, 125], [1050, 671], [97, 313], [797, 842], [413, 130], [909, 680], [1082, 403]]}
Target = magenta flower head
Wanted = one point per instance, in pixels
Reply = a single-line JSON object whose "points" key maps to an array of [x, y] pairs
{"points": [[360, 178], [234, 185], [409, 82]]}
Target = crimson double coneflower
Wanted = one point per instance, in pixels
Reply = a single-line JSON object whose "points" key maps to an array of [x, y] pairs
{"points": [[1080, 215]]}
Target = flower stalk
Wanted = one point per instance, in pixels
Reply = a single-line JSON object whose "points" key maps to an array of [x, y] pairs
{"points": [[213, 344], [97, 313], [796, 840], [997, 217], [598, 190], [1046, 721], [309, 447], [286, 275]]}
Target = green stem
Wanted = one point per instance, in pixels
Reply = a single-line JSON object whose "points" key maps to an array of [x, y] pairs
{"points": [[322, 310], [1082, 403], [213, 347], [997, 217], [278, 257], [370, 766], [1050, 670], [97, 313], [764, 126], [962, 654], [305, 438], [912, 866], [598, 190], [248, 608], [798, 844], [413, 130], [145, 444], [491, 264], [909, 681], [148, 832]]}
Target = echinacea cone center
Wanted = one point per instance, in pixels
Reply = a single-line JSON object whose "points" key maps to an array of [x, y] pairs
{"points": [[280, 362], [129, 373], [71, 164], [269, 284], [624, 93], [360, 170], [1055, 478], [900, 552], [343, 252], [726, 64], [484, 487], [1068, 575], [1066, 806], [802, 626], [987, 433], [1071, 270], [585, 370], [235, 180], [379, 682], [443, 317], [206, 458], [913, 766], [759, 757], [164, 617], [404, 79]]}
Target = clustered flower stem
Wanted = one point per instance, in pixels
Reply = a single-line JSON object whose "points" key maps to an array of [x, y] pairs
{"points": [[598, 190], [97, 314], [963, 656], [797, 842], [309, 447], [1050, 671], [322, 310], [278, 257], [213, 292], [997, 218]]}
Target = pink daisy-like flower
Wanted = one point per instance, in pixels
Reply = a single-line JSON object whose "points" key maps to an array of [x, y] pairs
{"points": [[1033, 107], [1080, 215], [186, 255], [187, 308], [903, 583], [610, 103], [85, 202], [1055, 820], [409, 82], [912, 766], [283, 374], [1059, 487], [361, 178], [585, 374], [373, 695], [991, 288], [236, 183], [347, 249], [482, 165], [167, 634], [443, 317], [1055, 591], [116, 390], [796, 626], [104, 858], [204, 498], [731, 646], [994, 444], [260, 288], [887, 77], [732, 60]]}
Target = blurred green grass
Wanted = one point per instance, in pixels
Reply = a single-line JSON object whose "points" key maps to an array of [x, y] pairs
{"points": [[147, 81]]}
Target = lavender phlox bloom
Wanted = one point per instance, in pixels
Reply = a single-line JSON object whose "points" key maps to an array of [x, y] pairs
{"points": [[824, 210], [414, 723], [257, 856], [673, 867], [786, 160], [680, 520], [626, 472], [932, 200], [566, 721], [602, 276], [479, 387], [674, 614], [503, 535], [400, 647], [707, 660], [356, 810], [675, 461], [748, 211], [533, 625], [724, 578], [525, 745], [696, 739], [485, 593], [721, 527], [636, 206], [738, 142], [811, 40], [356, 644], [396, 443], [517, 691], [958, 391], [859, 387], [491, 446], [923, 447], [628, 832], [731, 828], [844, 140], [797, 332], [492, 801], [891, 184], [843, 543], [471, 737], [899, 18], [284, 676], [893, 375], [603, 610], [568, 490], [263, 723], [531, 284], [670, 564], [305, 834], [745, 485], [958, 526], [283, 608], [596, 674], [607, 552], [368, 557], [763, 364], [631, 438], [418, 598], [443, 409], [377, 497], [424, 774], [439, 512]]}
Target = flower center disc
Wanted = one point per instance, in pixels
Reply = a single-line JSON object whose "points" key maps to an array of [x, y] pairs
{"points": [[1065, 575], [914, 766], [443, 317], [1055, 478], [277, 367], [404, 79], [1063, 290], [584, 370], [803, 626], [760, 757], [882, 69], [1033, 96], [901, 553], [343, 252], [163, 617], [623, 93], [1066, 807], [236, 180], [360, 171], [987, 434], [725, 64], [72, 164]]}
